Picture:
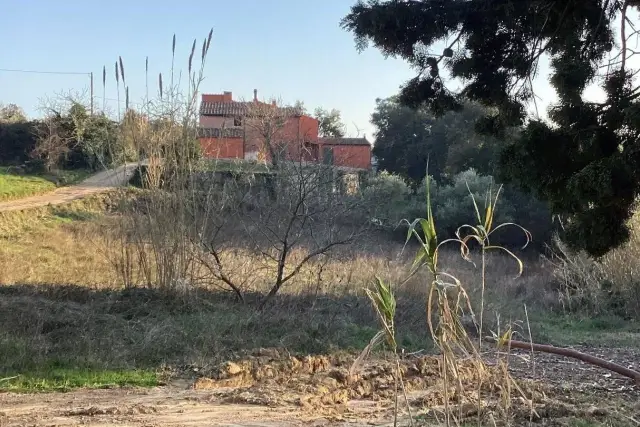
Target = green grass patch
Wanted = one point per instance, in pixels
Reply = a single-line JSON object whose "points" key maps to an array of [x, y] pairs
{"points": [[567, 330], [61, 379], [13, 186], [139, 329]]}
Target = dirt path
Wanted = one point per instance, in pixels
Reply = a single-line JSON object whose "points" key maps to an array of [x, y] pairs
{"points": [[154, 407], [95, 184]]}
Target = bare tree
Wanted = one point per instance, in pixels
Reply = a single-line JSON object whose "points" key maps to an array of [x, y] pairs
{"points": [[271, 131], [308, 218]]}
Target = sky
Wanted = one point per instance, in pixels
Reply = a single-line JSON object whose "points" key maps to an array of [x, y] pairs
{"points": [[289, 49], [293, 50]]}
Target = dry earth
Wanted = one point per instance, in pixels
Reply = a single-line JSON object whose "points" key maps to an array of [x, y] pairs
{"points": [[273, 388]]}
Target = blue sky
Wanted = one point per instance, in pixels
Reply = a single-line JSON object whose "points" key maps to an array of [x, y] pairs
{"points": [[291, 49], [288, 49]]}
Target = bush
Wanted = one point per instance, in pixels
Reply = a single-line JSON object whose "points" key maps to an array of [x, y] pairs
{"points": [[610, 285], [453, 206], [388, 199], [17, 141], [76, 140]]}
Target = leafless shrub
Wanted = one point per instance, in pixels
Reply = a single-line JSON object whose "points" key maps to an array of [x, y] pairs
{"points": [[307, 213]]}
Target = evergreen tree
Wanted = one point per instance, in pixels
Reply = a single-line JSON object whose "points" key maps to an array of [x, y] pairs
{"points": [[585, 162]]}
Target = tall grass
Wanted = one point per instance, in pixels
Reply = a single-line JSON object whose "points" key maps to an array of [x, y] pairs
{"points": [[153, 232], [605, 286]]}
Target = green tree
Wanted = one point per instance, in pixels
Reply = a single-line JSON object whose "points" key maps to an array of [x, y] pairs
{"points": [[299, 106], [12, 113], [586, 162], [466, 148], [407, 137], [330, 123], [405, 143], [17, 135]]}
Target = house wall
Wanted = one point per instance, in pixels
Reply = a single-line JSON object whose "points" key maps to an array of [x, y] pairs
{"points": [[309, 128], [353, 156], [296, 134], [222, 148], [216, 122]]}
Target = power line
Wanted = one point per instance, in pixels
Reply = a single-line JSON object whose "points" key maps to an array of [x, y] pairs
{"points": [[44, 72], [122, 101], [68, 73]]}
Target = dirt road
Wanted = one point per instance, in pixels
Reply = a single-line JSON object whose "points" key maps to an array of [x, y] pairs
{"points": [[95, 184]]}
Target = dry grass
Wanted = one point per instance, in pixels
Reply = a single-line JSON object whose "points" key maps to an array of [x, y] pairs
{"points": [[610, 285], [68, 245], [66, 314], [58, 244], [60, 269]]}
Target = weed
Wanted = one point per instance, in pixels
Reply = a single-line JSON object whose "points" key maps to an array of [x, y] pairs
{"points": [[447, 301]]}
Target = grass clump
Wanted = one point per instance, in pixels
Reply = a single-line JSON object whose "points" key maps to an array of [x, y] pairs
{"points": [[65, 379]]}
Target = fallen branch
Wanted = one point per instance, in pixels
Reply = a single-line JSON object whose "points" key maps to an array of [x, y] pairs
{"points": [[569, 352]]}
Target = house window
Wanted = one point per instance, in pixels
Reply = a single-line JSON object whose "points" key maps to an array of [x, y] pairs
{"points": [[237, 121], [327, 155]]}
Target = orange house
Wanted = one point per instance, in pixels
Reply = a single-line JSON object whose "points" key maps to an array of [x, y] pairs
{"points": [[256, 130]]}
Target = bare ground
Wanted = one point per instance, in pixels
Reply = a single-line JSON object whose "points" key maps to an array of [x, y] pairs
{"points": [[166, 406], [273, 388]]}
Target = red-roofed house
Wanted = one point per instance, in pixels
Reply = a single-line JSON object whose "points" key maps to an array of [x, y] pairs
{"points": [[237, 130]]}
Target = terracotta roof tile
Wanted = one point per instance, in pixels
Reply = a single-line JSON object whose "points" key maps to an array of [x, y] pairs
{"points": [[236, 109], [223, 108], [344, 141]]}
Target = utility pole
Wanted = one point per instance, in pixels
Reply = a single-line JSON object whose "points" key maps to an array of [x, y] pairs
{"points": [[91, 84]]}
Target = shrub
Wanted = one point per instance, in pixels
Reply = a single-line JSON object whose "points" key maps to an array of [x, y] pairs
{"points": [[453, 206], [73, 139], [388, 199], [17, 141]]}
